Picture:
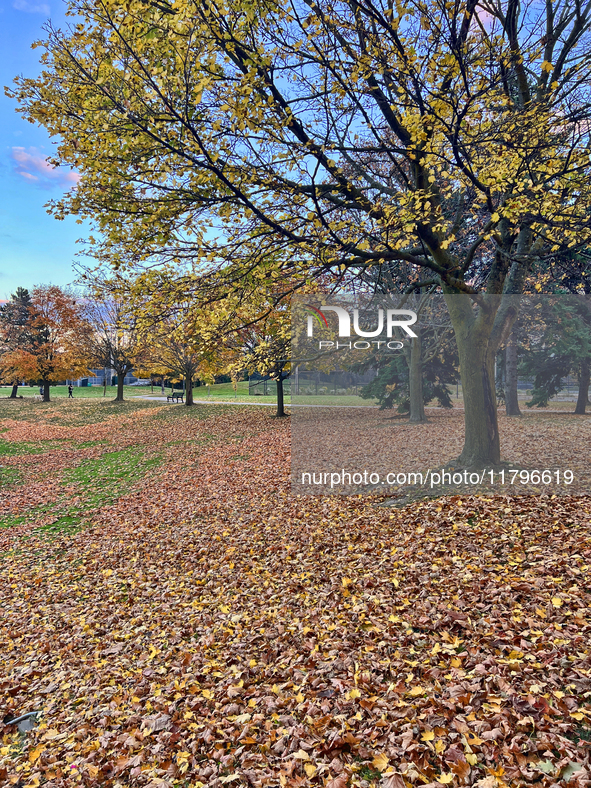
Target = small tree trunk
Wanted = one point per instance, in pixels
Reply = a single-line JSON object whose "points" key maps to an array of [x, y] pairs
{"points": [[14, 390], [280, 408], [46, 391], [417, 404], [482, 447], [584, 381], [188, 385], [511, 399], [120, 379], [162, 385]]}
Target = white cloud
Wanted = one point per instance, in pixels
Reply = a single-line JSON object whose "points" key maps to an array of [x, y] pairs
{"points": [[33, 166], [31, 8]]}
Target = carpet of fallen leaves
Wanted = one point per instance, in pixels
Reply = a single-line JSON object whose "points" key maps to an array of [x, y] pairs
{"points": [[212, 629], [358, 439]]}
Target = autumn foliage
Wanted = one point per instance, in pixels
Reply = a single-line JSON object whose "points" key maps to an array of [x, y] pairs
{"points": [[58, 340], [207, 628]]}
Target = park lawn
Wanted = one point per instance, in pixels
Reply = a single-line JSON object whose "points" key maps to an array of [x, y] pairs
{"points": [[181, 619], [85, 392], [222, 391]]}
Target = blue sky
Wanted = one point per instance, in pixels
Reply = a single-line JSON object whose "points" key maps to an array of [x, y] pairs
{"points": [[34, 247]]}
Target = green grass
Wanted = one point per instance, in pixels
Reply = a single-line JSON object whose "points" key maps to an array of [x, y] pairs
{"points": [[220, 391], [11, 449], [9, 477], [96, 483], [64, 412], [109, 476], [99, 482], [88, 392]]}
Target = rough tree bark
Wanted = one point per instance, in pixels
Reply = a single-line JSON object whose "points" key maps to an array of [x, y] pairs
{"points": [[280, 399], [188, 390], [417, 405], [45, 384], [584, 381], [120, 380], [473, 333], [14, 391], [511, 399]]}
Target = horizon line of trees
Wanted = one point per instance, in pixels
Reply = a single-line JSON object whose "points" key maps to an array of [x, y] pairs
{"points": [[52, 334]]}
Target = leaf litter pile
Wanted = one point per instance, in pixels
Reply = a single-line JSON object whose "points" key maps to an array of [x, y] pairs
{"points": [[205, 627]]}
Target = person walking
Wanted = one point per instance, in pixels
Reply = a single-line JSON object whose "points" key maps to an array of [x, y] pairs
{"points": [[70, 392]]}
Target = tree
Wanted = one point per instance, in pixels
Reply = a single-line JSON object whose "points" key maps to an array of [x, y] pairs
{"points": [[396, 381], [561, 348], [59, 340], [265, 346], [453, 138], [428, 362], [178, 346], [15, 332], [112, 341]]}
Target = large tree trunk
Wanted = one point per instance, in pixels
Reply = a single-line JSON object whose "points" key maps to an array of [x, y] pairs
{"points": [[188, 390], [584, 381], [417, 405], [482, 447], [14, 390], [120, 379], [46, 391], [280, 408], [511, 400]]}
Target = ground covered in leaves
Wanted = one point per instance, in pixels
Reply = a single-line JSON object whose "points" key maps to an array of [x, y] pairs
{"points": [[181, 619]]}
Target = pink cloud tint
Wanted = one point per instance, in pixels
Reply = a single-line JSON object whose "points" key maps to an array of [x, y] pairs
{"points": [[33, 166]]}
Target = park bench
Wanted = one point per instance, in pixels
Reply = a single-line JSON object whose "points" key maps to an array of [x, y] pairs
{"points": [[175, 397]]}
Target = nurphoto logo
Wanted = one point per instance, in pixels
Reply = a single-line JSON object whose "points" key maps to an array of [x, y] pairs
{"points": [[392, 320]]}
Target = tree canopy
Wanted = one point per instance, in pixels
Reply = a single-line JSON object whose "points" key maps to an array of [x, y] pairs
{"points": [[59, 337], [259, 141], [453, 136]]}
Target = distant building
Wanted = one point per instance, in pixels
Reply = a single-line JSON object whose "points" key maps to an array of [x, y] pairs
{"points": [[99, 378]]}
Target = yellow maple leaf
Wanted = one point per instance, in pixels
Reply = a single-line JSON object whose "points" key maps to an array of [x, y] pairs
{"points": [[354, 693], [416, 691], [557, 601], [427, 736], [445, 778], [381, 762], [34, 754], [310, 769]]}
